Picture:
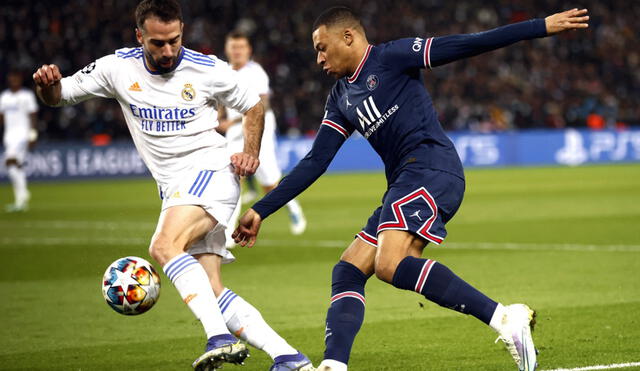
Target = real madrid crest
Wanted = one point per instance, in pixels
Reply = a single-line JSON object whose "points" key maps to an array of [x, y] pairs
{"points": [[372, 82], [188, 93]]}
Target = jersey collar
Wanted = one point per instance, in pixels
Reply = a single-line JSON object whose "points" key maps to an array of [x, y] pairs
{"points": [[144, 61], [355, 75]]}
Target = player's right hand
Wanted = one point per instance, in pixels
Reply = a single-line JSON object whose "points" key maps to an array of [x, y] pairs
{"points": [[248, 228], [47, 75]]}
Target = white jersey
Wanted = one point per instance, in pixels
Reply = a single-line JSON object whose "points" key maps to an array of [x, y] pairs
{"points": [[16, 108], [171, 116], [253, 74]]}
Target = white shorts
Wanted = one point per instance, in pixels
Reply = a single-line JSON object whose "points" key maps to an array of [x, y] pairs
{"points": [[16, 148], [268, 173], [217, 193]]}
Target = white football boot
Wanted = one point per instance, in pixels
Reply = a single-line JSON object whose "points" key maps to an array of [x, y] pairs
{"points": [[517, 323], [331, 365], [298, 223]]}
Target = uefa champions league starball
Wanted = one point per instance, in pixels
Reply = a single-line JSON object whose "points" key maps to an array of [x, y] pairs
{"points": [[131, 285]]}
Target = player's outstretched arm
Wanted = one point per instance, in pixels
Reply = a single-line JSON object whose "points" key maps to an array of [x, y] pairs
{"points": [[247, 162], [446, 49], [248, 228], [314, 164], [48, 87]]}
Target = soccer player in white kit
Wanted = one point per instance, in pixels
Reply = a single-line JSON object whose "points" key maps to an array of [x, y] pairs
{"points": [[239, 51], [18, 109], [169, 95]]}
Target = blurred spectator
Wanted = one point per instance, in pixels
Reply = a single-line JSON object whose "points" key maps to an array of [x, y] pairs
{"points": [[546, 83]]}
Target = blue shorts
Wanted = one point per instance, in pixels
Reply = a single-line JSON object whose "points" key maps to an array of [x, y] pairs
{"points": [[420, 201]]}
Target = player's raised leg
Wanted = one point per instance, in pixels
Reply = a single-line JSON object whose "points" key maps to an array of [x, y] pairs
{"points": [[246, 322], [18, 179], [296, 215], [346, 311], [397, 263], [178, 228]]}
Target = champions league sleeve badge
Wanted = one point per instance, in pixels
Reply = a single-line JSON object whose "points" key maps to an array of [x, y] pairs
{"points": [[188, 93], [372, 82], [88, 68]]}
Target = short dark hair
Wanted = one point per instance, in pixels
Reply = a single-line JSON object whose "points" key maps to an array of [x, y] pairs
{"points": [[338, 15], [166, 10], [238, 35]]}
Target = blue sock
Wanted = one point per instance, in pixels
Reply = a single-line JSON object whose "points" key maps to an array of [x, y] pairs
{"points": [[346, 313], [440, 285]]}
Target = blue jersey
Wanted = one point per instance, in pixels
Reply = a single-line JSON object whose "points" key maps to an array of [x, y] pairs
{"points": [[386, 102]]}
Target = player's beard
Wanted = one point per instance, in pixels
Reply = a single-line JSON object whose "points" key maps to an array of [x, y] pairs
{"points": [[155, 64]]}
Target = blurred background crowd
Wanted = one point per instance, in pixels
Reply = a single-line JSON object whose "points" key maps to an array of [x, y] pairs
{"points": [[579, 79]]}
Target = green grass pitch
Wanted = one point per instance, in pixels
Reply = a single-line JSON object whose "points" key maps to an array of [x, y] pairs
{"points": [[564, 240]]}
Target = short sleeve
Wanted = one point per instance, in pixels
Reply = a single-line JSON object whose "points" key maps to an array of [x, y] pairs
{"points": [[32, 104], [231, 91], [334, 119], [408, 53], [91, 81], [260, 80], [2, 108]]}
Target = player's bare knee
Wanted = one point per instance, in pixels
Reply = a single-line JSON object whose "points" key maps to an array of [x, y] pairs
{"points": [[163, 248], [385, 268]]}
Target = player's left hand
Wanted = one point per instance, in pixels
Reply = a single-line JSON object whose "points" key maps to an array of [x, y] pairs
{"points": [[570, 20], [244, 164], [33, 138], [248, 228]]}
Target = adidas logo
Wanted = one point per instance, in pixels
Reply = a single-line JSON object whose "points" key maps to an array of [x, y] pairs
{"points": [[189, 297], [135, 87]]}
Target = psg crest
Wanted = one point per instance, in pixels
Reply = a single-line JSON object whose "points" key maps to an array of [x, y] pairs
{"points": [[372, 82]]}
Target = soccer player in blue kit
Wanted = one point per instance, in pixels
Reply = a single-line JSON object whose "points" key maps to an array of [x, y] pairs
{"points": [[380, 93]]}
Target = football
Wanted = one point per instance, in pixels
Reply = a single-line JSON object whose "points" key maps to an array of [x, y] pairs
{"points": [[131, 285]]}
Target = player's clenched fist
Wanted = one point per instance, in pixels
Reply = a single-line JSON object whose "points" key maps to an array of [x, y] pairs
{"points": [[47, 75], [569, 20], [244, 163]]}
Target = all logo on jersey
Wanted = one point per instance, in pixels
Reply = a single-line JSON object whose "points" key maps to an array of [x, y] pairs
{"points": [[188, 93], [371, 113], [370, 118], [135, 87], [372, 82]]}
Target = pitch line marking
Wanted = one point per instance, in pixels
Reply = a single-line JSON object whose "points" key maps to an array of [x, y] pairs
{"points": [[71, 241], [78, 224], [599, 367], [466, 245], [133, 240]]}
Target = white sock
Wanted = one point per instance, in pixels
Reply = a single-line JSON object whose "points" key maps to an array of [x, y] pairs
{"points": [[496, 319], [18, 179], [247, 323], [232, 225], [294, 207], [192, 282], [333, 365]]}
